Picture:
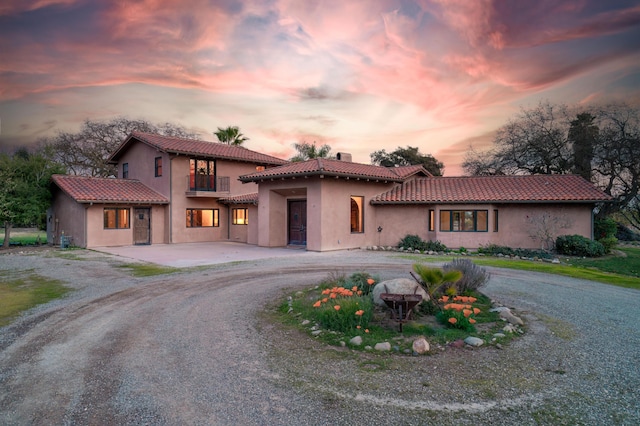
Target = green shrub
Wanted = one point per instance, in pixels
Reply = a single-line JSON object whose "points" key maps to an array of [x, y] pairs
{"points": [[604, 228], [473, 276], [494, 250], [365, 282], [608, 243], [577, 245], [346, 318], [414, 242]]}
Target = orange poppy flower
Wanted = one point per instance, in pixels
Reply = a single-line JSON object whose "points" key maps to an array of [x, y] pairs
{"points": [[317, 304], [476, 311], [360, 312], [370, 281], [354, 288], [336, 307], [359, 292], [472, 321], [333, 295], [326, 291], [358, 327], [444, 299], [366, 330], [467, 313], [472, 300], [325, 300], [453, 320]]}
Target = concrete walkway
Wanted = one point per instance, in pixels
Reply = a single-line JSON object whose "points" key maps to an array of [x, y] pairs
{"points": [[196, 254]]}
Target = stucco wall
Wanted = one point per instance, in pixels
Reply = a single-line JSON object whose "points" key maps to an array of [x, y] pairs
{"points": [[517, 223], [67, 216], [141, 160]]}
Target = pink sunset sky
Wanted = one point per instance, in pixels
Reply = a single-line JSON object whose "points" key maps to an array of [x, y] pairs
{"points": [[359, 75]]}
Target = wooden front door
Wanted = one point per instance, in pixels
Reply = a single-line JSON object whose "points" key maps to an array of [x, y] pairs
{"points": [[298, 222], [142, 225]]}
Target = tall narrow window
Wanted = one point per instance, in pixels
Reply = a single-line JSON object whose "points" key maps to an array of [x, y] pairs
{"points": [[115, 218], [197, 218], [202, 175], [240, 216], [158, 166], [495, 220], [432, 220], [357, 214], [125, 170]]}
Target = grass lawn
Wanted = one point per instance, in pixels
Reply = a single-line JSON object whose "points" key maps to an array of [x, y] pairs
{"points": [[17, 294], [24, 236]]}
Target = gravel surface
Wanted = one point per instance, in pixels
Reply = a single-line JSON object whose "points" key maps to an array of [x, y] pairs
{"points": [[197, 347]]}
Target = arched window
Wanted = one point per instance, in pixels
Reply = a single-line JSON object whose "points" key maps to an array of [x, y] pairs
{"points": [[357, 214]]}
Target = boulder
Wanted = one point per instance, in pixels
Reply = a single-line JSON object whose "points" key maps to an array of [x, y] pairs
{"points": [[397, 286], [474, 341], [384, 346], [420, 345], [356, 341]]}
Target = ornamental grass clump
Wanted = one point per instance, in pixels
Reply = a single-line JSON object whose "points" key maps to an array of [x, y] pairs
{"points": [[458, 312]]}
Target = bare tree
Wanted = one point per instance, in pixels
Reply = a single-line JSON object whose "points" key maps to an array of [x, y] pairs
{"points": [[87, 151], [545, 228]]}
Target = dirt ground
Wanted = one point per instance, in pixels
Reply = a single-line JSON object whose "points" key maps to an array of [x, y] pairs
{"points": [[198, 347]]}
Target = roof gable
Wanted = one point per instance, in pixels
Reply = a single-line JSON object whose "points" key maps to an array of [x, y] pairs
{"points": [[476, 189], [336, 168], [85, 189], [195, 147]]}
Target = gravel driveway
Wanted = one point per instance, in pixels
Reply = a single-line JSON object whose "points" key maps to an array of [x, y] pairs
{"points": [[197, 347]]}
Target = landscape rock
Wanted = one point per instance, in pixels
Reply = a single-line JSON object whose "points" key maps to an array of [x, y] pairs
{"points": [[420, 345], [509, 317], [474, 341], [509, 328], [383, 346], [356, 341], [457, 344], [397, 286], [305, 322]]}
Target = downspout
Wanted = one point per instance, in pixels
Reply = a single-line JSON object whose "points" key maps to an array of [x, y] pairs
{"points": [[170, 198], [228, 222]]}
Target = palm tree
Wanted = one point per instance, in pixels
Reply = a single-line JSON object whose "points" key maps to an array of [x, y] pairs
{"points": [[307, 151], [231, 136]]}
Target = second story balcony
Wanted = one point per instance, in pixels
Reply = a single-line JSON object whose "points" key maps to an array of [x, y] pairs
{"points": [[207, 186]]}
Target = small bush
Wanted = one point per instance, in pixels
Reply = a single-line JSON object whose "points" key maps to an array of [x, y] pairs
{"points": [[577, 245], [494, 250], [473, 276], [362, 280], [414, 242], [608, 243], [604, 228]]}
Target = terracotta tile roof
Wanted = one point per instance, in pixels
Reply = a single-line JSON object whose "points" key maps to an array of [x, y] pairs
{"points": [[197, 148], [241, 199], [86, 189], [326, 167], [535, 188]]}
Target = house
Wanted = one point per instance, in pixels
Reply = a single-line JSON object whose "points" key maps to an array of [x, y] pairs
{"points": [[168, 190], [331, 205], [172, 190]]}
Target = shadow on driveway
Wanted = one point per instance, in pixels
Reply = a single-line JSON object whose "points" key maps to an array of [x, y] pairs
{"points": [[196, 254]]}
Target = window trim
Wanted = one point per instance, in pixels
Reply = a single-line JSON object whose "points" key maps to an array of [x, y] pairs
{"points": [[461, 215], [235, 218], [158, 166], [359, 226], [117, 224], [215, 218]]}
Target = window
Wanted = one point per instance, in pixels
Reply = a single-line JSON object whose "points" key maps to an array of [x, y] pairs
{"points": [[432, 220], [198, 218], [115, 218], [495, 220], [240, 216], [464, 220], [125, 170], [158, 166], [357, 214], [202, 175]]}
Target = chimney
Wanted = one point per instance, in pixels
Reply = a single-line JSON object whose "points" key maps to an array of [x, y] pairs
{"points": [[343, 156]]}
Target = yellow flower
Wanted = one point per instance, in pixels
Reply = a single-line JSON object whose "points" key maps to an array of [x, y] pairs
{"points": [[453, 320]]}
